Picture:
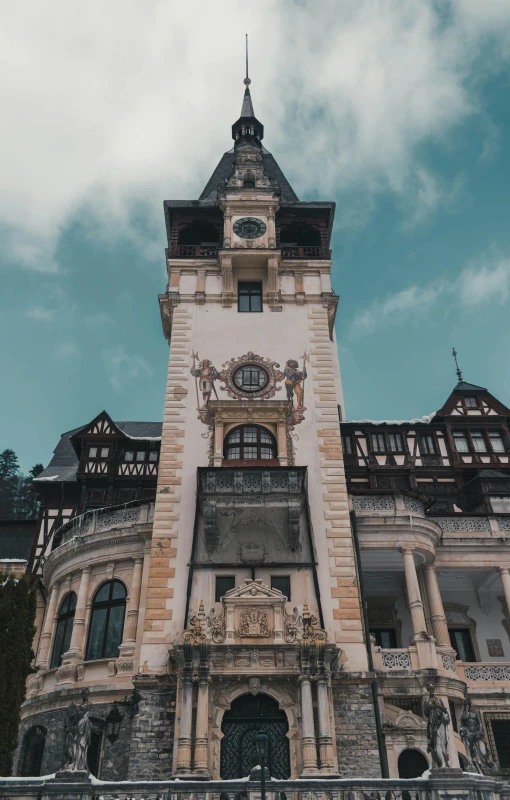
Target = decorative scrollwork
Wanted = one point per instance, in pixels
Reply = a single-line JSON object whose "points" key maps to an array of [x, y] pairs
{"points": [[254, 624], [396, 659], [448, 662], [487, 673], [303, 627], [216, 626]]}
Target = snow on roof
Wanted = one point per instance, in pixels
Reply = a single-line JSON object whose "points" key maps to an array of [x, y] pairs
{"points": [[421, 420]]}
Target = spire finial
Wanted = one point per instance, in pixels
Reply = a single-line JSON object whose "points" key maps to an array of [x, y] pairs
{"points": [[459, 373], [247, 81]]}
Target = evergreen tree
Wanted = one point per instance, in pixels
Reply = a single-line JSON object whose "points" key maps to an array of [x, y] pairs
{"points": [[17, 615], [27, 502], [9, 469]]}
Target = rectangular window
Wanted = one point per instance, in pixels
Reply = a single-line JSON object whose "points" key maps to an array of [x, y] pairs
{"points": [[498, 728], [129, 455], [496, 441], [460, 640], [378, 443], [140, 455], [470, 402], [479, 442], [461, 443], [104, 452], [347, 445], [282, 583], [500, 505], [249, 296], [92, 452], [386, 638], [224, 583], [427, 445], [153, 455], [396, 443]]}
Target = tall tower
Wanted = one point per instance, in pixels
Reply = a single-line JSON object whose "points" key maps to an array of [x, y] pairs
{"points": [[250, 601]]}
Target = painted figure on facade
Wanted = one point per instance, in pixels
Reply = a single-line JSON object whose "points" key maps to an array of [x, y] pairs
{"points": [[206, 374], [294, 381], [78, 735], [471, 733], [438, 720]]}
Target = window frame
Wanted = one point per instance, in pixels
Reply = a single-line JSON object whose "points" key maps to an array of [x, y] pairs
{"points": [[347, 445], [396, 435], [242, 444], [250, 310], [217, 592], [463, 628], [108, 604], [499, 434], [470, 405], [280, 578], [378, 435], [424, 450], [65, 617], [465, 434]]}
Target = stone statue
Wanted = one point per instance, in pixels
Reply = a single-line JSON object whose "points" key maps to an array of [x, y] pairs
{"points": [[471, 733], [438, 720], [78, 735]]}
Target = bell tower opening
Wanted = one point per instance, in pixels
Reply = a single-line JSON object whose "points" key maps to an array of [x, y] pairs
{"points": [[248, 716]]}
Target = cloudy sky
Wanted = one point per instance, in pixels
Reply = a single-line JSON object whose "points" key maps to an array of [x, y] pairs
{"points": [[396, 109]]}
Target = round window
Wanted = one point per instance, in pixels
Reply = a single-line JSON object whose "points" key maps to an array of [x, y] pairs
{"points": [[250, 378]]}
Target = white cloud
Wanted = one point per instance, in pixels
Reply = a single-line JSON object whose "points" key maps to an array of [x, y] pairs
{"points": [[485, 281], [41, 314], [108, 108], [123, 368], [66, 350]]}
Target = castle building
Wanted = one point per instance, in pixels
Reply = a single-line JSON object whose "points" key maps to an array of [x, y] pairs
{"points": [[254, 563]]}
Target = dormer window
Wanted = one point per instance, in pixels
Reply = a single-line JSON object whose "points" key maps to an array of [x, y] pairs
{"points": [[99, 452], [129, 455], [471, 402]]}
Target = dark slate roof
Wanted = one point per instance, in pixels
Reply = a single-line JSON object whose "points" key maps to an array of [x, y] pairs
{"points": [[462, 386], [247, 107], [64, 463], [226, 167], [16, 538]]}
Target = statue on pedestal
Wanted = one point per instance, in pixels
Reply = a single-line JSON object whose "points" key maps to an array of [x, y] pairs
{"points": [[438, 720], [78, 729], [471, 733]]}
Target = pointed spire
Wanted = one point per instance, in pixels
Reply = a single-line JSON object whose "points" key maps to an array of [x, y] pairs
{"points": [[459, 373], [242, 128]]}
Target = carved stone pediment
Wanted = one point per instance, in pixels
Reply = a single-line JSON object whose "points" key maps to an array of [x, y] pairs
{"points": [[253, 589], [255, 612]]}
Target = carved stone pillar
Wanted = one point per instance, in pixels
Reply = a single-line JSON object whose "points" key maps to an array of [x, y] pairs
{"points": [[78, 635], [272, 279], [218, 441], [49, 624], [325, 738], [307, 727], [201, 761], [184, 740], [134, 604], [282, 442], [505, 579], [437, 615], [227, 280], [413, 594], [271, 231]]}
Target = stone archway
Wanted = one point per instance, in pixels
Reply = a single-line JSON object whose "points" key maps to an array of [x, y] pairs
{"points": [[412, 764], [248, 715]]}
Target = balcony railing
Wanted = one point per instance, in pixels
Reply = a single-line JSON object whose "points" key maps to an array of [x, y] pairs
{"points": [[484, 672], [467, 786], [304, 252], [195, 251], [126, 515]]}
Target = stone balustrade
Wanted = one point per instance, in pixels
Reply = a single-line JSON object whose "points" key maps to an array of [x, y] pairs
{"points": [[483, 671], [394, 659], [437, 786], [103, 519]]}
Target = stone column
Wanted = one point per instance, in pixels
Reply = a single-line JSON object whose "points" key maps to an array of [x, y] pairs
{"points": [[282, 442], [437, 615], [47, 633], [131, 625], [201, 760], [218, 441], [271, 231], [307, 727], [325, 739], [505, 579], [413, 594], [78, 634], [184, 740]]}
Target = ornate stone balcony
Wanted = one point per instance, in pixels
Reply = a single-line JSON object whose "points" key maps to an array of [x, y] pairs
{"points": [[462, 785], [103, 519]]}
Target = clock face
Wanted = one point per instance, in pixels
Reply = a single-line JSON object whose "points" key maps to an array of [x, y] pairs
{"points": [[249, 228]]}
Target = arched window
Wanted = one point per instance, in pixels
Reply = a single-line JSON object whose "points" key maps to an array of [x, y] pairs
{"points": [[32, 751], [107, 621], [412, 764], [250, 443], [64, 629]]}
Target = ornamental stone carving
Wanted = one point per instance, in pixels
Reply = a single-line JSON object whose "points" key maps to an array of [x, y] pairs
{"points": [[396, 659], [376, 503], [414, 506], [488, 673], [254, 624], [448, 662], [303, 627], [463, 523]]}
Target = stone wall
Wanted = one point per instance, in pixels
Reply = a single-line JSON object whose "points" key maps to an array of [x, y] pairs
{"points": [[114, 762], [355, 731], [152, 736]]}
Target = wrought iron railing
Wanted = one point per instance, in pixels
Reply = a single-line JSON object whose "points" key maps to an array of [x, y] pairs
{"points": [[304, 252], [196, 251]]}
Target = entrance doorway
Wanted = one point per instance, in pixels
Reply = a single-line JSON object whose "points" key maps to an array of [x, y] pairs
{"points": [[248, 716], [412, 764]]}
